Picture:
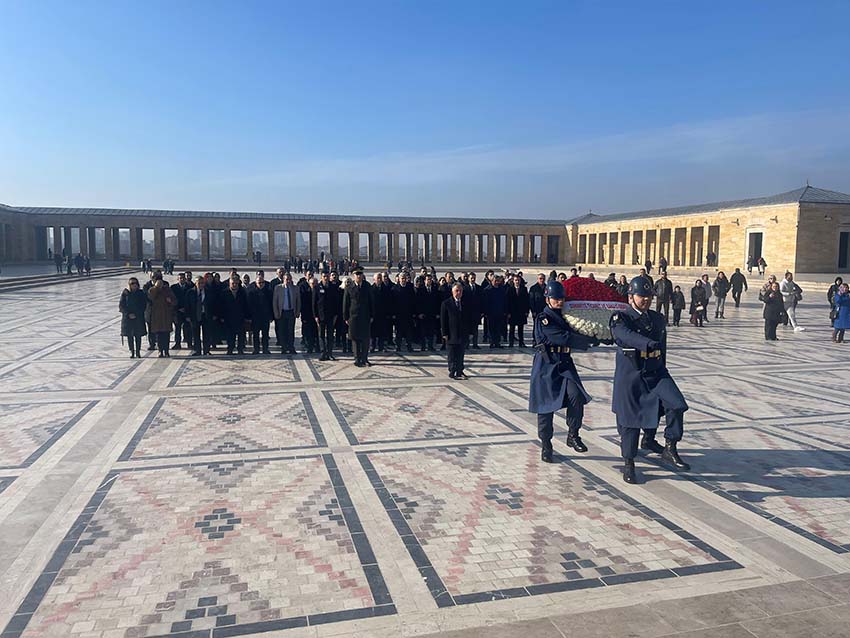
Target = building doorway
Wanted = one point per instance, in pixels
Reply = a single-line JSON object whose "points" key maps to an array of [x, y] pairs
{"points": [[843, 249], [755, 241]]}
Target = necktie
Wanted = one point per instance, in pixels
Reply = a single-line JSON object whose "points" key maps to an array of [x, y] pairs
{"points": [[458, 305]]}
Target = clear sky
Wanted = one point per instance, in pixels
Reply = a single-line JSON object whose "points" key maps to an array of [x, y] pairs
{"points": [[485, 108]]}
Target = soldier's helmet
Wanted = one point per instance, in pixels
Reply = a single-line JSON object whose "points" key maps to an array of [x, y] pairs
{"points": [[555, 290], [640, 286]]}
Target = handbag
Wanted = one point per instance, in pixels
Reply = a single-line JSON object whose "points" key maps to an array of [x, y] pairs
{"points": [[833, 314], [699, 308]]}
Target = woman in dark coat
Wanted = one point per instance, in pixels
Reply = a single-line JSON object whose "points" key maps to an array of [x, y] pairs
{"points": [[518, 308], [132, 307], [773, 309], [699, 300]]}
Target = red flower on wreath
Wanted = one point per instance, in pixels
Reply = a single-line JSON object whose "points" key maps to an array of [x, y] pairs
{"points": [[584, 289]]}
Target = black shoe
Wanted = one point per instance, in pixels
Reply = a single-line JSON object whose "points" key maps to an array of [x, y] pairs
{"points": [[331, 357], [240, 352], [629, 475], [574, 441], [647, 443], [671, 455], [452, 375], [476, 347], [229, 351], [461, 376], [176, 346], [195, 354], [138, 354], [266, 352], [443, 347], [133, 354], [546, 455], [161, 355], [358, 364], [522, 344], [151, 348], [323, 358], [368, 363]]}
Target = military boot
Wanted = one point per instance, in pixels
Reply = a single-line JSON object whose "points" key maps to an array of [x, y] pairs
{"points": [[649, 443], [546, 453], [671, 456], [629, 475], [574, 441]]}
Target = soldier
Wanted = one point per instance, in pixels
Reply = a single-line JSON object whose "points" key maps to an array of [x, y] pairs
{"points": [[643, 388], [555, 383]]}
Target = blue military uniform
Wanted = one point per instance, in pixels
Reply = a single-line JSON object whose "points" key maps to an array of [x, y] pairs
{"points": [[555, 383], [643, 387]]}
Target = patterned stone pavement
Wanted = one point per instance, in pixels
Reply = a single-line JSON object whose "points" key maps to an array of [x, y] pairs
{"points": [[288, 497]]}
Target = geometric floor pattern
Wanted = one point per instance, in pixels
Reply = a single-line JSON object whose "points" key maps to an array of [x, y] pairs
{"points": [[292, 497]]}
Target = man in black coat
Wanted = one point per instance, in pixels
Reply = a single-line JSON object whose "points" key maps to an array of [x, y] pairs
{"points": [[181, 325], [235, 312], [739, 285], [327, 305], [357, 312], [260, 310], [537, 302], [473, 297], [381, 303], [454, 325], [404, 301], [201, 312], [309, 328]]}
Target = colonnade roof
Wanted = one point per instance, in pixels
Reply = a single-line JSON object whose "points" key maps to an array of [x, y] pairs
{"points": [[807, 194], [295, 217]]}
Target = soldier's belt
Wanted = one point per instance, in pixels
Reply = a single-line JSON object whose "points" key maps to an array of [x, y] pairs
{"points": [[650, 355], [563, 349]]}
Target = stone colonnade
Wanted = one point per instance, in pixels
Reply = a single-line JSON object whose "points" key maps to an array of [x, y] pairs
{"points": [[684, 246]]}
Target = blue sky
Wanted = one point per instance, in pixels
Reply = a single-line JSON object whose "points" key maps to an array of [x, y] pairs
{"points": [[485, 108]]}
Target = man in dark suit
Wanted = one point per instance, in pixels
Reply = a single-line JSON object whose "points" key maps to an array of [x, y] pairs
{"points": [[260, 311], [326, 306], [181, 325], [454, 324], [200, 310], [234, 303], [357, 312], [474, 299]]}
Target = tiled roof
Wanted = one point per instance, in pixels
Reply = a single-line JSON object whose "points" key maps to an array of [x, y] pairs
{"points": [[806, 194], [305, 217]]}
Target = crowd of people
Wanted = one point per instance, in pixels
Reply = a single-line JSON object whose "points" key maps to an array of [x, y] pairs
{"points": [[68, 264], [403, 309]]}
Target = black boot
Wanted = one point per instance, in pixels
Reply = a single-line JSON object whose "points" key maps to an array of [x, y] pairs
{"points": [[546, 454], [629, 475], [671, 455], [574, 441], [649, 443]]}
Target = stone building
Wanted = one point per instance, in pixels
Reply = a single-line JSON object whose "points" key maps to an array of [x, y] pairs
{"points": [[805, 230]]}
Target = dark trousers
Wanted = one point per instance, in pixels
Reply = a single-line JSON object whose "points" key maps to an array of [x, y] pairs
{"points": [[575, 416], [454, 353], [674, 421], [403, 330], [202, 335], [286, 327], [326, 335], [677, 316], [736, 295], [135, 343], [663, 304], [497, 327], [163, 340], [182, 329], [235, 338], [517, 334], [310, 334], [260, 332], [770, 329], [361, 350]]}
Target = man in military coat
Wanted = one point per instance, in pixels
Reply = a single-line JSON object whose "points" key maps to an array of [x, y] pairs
{"points": [[643, 388], [357, 313], [555, 383]]}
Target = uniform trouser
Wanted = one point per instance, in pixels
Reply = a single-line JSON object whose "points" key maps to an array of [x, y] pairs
{"points": [[235, 338], [454, 355], [202, 335], [736, 295], [575, 416], [720, 305], [361, 350], [663, 304], [260, 330], [674, 429], [326, 335]]}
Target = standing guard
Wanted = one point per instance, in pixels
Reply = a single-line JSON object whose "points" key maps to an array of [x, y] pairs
{"points": [[555, 383], [643, 388]]}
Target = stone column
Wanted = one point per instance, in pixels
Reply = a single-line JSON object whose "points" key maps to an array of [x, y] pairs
{"points": [[292, 243], [182, 251], [135, 244], [159, 243], [84, 240], [67, 233], [205, 244], [334, 240], [228, 245], [109, 244], [313, 243], [272, 247], [57, 240]]}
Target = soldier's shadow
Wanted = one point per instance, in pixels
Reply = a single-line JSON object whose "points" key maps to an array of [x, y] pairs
{"points": [[756, 475]]}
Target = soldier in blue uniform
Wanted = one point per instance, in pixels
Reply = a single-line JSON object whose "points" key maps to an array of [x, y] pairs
{"points": [[555, 383], [643, 388]]}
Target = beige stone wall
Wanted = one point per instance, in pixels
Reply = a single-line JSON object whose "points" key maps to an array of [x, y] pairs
{"points": [[817, 241], [777, 223]]}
